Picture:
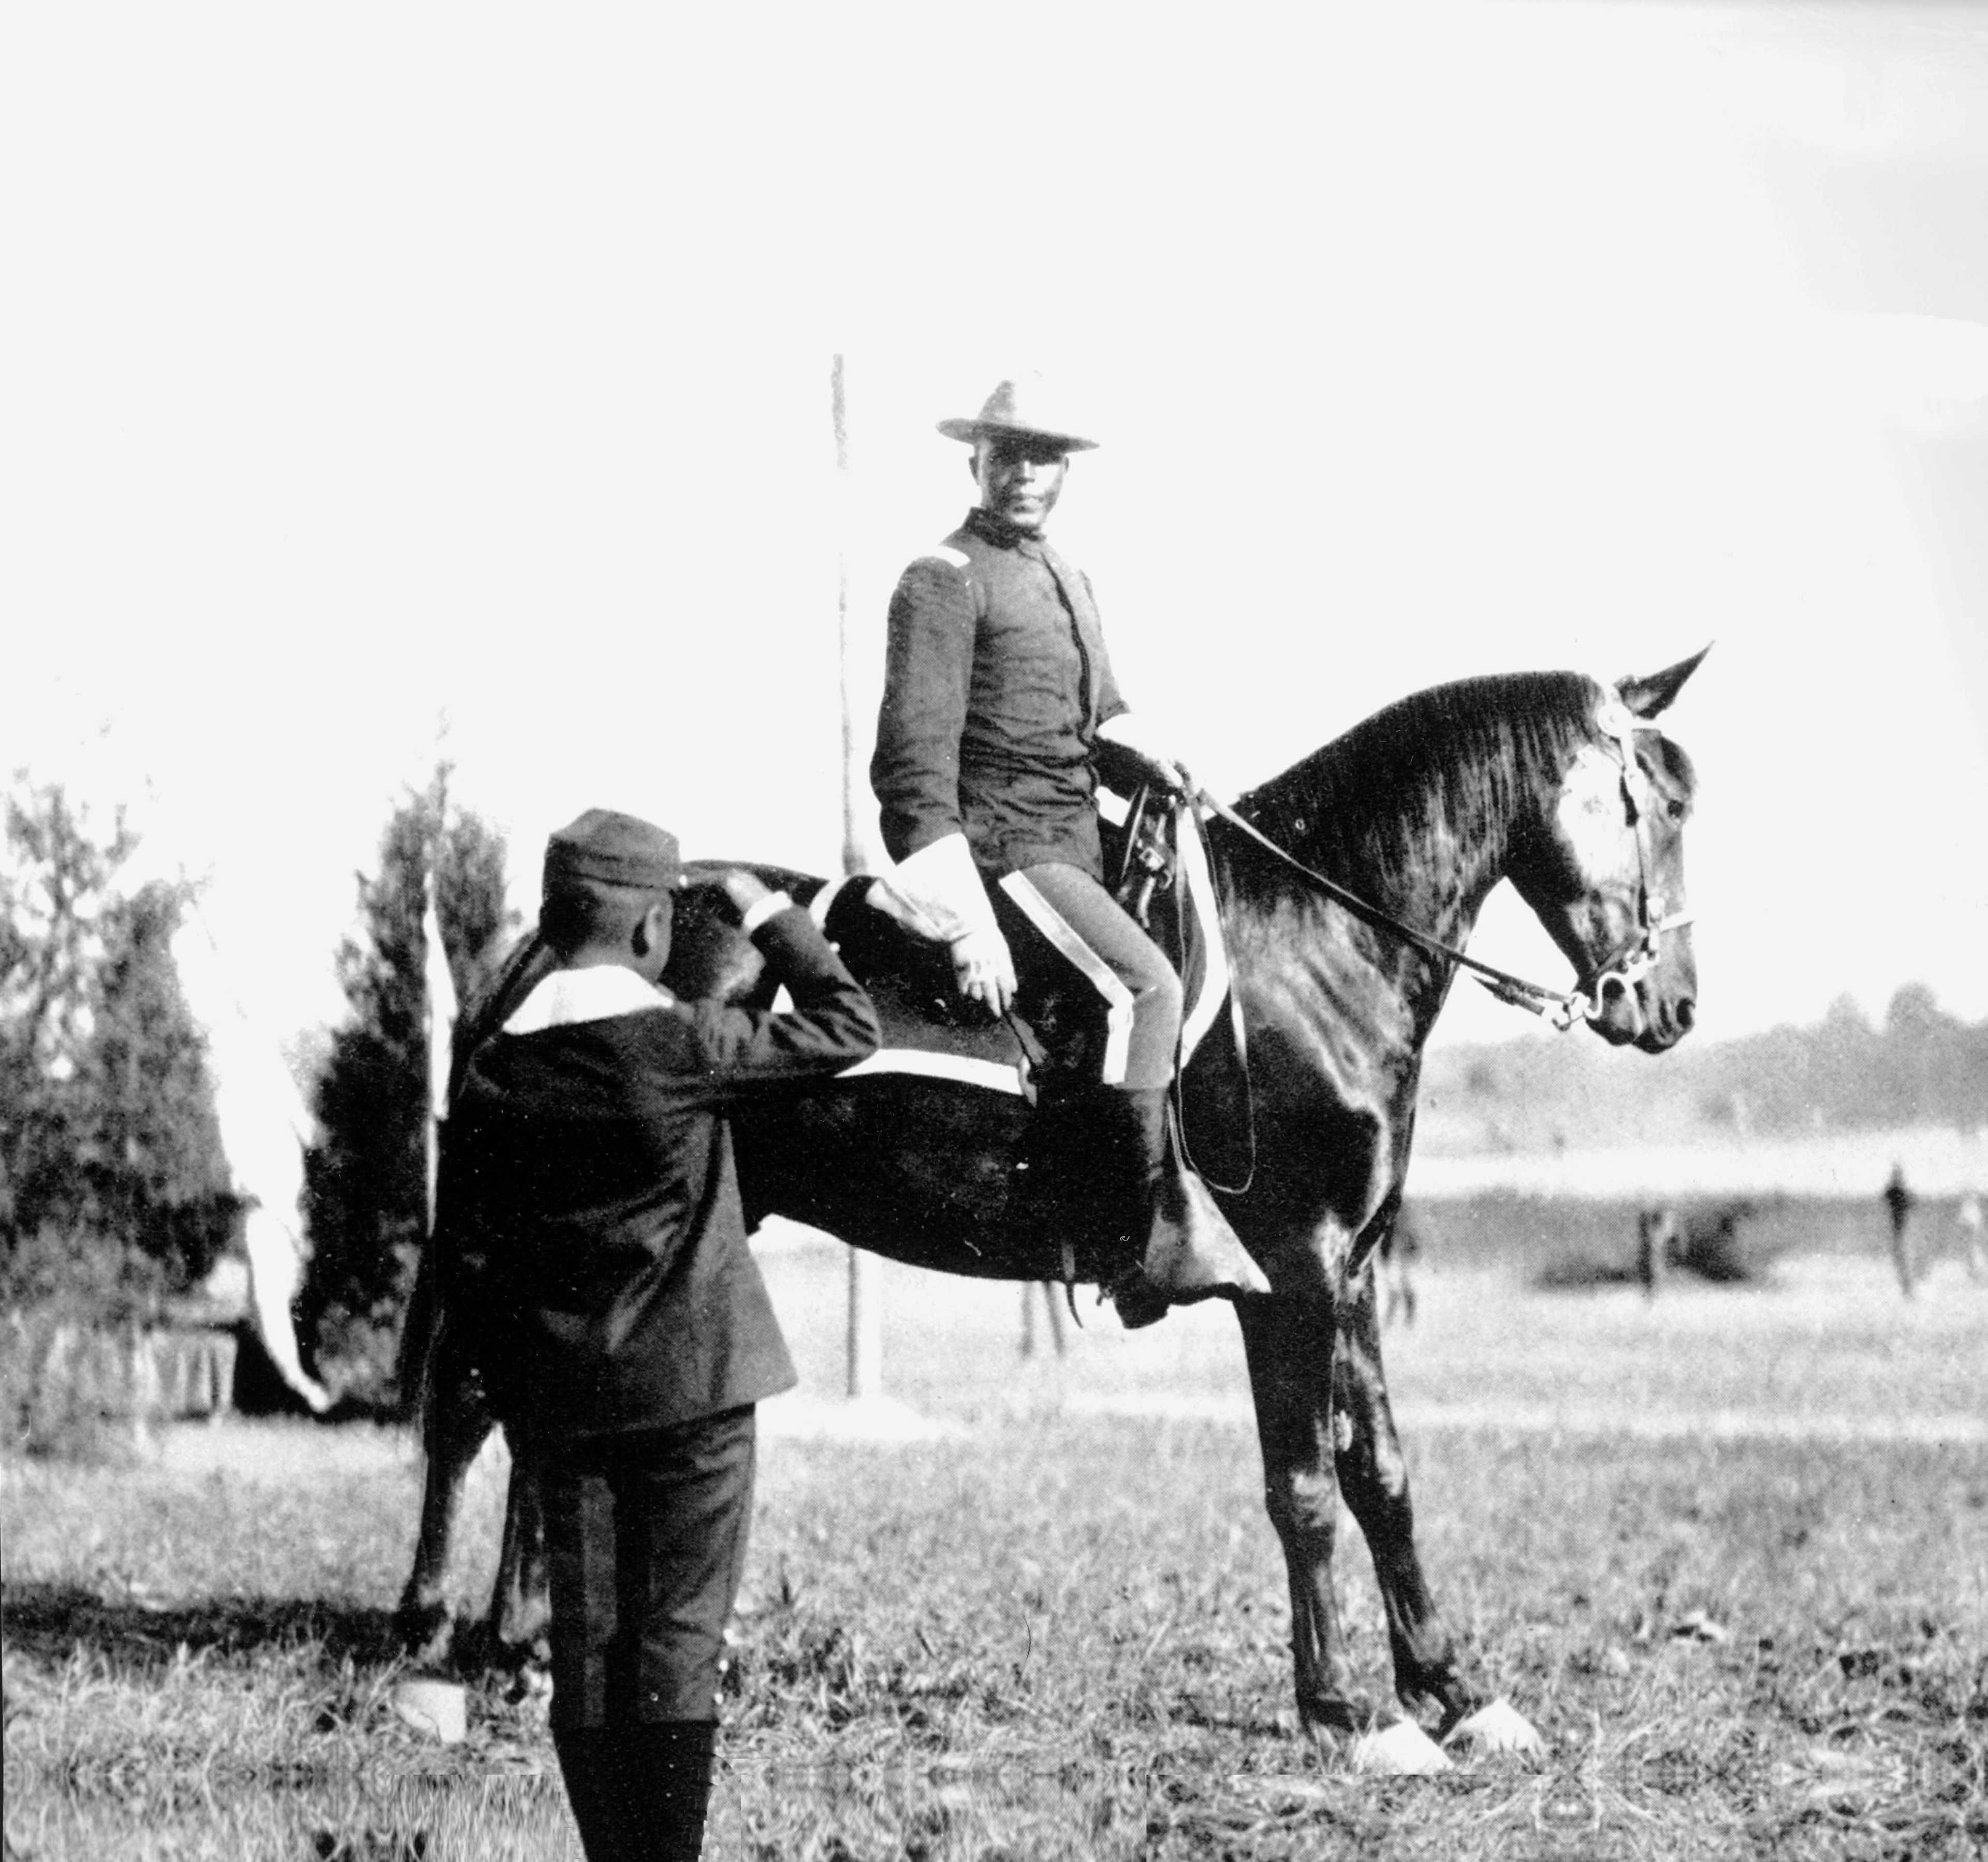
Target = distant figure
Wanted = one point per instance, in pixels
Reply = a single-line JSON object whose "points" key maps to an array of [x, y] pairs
{"points": [[1657, 1246], [1899, 1200], [1967, 1218], [1707, 1242], [1399, 1252]]}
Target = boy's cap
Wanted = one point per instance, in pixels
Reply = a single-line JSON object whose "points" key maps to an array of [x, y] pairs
{"points": [[613, 850]]}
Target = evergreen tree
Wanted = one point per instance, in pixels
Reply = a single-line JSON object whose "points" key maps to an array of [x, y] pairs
{"points": [[151, 1152], [114, 1190], [365, 1199]]}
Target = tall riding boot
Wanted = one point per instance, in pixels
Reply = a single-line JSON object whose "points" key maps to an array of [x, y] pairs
{"points": [[1103, 1177], [666, 1767], [1186, 1252]]}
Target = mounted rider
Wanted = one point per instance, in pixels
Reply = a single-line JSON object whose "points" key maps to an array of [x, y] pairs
{"points": [[999, 707]]}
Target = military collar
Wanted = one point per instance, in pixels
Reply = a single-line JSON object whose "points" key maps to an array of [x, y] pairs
{"points": [[1001, 534]]}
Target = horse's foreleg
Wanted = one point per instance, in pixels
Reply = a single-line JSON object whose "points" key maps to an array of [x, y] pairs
{"points": [[1373, 1477], [1289, 1346]]}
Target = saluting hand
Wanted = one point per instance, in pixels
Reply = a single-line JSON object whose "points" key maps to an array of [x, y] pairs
{"points": [[744, 889]]}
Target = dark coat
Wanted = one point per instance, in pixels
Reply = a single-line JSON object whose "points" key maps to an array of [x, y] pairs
{"points": [[995, 683], [589, 1192]]}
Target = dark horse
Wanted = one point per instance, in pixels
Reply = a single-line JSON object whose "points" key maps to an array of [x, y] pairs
{"points": [[1555, 782]]}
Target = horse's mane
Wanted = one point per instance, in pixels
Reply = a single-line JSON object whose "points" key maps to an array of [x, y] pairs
{"points": [[1447, 761]]}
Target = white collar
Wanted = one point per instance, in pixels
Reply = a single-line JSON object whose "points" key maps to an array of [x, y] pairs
{"points": [[591, 994]]}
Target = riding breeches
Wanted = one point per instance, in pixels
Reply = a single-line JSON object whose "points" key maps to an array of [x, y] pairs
{"points": [[1079, 960], [645, 1536]]}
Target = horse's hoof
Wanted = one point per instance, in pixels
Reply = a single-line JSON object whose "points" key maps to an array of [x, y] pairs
{"points": [[1400, 1750], [425, 1632], [1499, 1727]]}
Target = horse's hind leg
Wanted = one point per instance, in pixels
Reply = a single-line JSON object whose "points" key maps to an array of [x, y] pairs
{"points": [[1373, 1477], [457, 1424], [1290, 1344]]}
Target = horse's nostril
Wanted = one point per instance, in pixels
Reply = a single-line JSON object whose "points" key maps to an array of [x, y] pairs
{"points": [[1687, 1013]]}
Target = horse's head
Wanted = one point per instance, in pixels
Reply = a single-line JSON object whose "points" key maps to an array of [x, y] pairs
{"points": [[1606, 874]]}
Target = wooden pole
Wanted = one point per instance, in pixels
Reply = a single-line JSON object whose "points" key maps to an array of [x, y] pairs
{"points": [[866, 1320]]}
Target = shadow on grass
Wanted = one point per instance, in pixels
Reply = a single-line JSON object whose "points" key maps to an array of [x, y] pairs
{"points": [[49, 1622], [391, 1820]]}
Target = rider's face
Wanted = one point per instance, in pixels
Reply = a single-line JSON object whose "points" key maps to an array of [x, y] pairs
{"points": [[1020, 479]]}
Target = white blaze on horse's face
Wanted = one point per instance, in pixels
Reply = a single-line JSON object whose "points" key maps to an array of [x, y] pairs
{"points": [[1592, 818], [1616, 887]]}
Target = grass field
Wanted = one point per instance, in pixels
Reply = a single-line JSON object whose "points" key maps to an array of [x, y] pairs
{"points": [[1729, 1549]]}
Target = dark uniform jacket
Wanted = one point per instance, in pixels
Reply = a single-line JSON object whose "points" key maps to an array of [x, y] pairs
{"points": [[995, 685], [588, 1188]]}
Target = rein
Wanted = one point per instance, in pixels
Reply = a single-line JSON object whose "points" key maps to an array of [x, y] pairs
{"points": [[1630, 961]]}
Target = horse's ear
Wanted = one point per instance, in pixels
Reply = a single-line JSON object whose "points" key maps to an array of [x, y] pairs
{"points": [[1645, 697]]}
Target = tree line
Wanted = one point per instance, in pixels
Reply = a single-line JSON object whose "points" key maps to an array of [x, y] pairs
{"points": [[1917, 1065], [116, 1197]]}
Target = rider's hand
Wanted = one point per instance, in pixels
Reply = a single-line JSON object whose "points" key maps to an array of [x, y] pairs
{"points": [[1129, 736], [1164, 772], [744, 890], [983, 970]]}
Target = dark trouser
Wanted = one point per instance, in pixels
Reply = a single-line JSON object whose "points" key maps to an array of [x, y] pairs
{"points": [[645, 1536], [1077, 954]]}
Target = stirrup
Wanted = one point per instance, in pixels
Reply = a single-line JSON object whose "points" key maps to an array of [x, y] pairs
{"points": [[1193, 1253]]}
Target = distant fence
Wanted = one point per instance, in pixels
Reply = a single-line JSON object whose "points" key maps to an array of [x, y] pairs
{"points": [[63, 1376]]}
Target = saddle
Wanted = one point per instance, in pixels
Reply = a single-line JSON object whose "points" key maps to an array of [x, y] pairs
{"points": [[1157, 865]]}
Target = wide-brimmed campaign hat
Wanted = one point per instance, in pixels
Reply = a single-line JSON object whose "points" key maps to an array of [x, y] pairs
{"points": [[1024, 406]]}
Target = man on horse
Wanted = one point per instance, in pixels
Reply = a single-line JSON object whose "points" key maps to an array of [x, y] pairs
{"points": [[999, 707]]}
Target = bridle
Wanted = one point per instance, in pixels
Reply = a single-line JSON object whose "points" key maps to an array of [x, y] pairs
{"points": [[1638, 954], [1623, 968]]}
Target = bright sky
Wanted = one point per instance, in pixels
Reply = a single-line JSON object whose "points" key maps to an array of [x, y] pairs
{"points": [[381, 375]]}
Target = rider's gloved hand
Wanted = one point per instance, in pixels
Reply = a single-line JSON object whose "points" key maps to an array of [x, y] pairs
{"points": [[1131, 739], [983, 970], [948, 901]]}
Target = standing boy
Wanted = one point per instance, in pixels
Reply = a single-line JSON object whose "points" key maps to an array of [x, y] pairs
{"points": [[595, 1207]]}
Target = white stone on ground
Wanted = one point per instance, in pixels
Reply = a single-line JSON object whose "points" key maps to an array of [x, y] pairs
{"points": [[1499, 1727], [1402, 1750]]}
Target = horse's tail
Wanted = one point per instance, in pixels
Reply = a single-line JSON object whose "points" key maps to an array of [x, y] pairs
{"points": [[425, 1324], [419, 1349]]}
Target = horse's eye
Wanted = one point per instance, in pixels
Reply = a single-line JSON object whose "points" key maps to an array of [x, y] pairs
{"points": [[1677, 811]]}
